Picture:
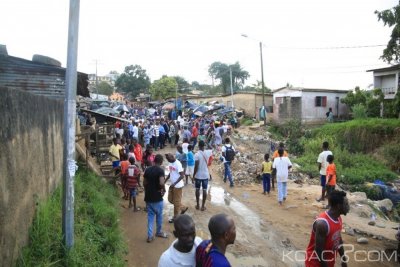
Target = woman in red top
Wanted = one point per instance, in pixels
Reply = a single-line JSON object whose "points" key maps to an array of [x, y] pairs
{"points": [[326, 240]]}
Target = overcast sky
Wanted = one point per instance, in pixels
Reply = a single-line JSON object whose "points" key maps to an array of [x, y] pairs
{"points": [[183, 37]]}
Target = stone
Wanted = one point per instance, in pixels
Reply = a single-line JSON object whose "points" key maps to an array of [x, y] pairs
{"points": [[349, 231], [371, 223], [362, 240], [385, 203], [358, 198]]}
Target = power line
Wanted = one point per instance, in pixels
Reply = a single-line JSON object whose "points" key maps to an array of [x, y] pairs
{"points": [[324, 48]]}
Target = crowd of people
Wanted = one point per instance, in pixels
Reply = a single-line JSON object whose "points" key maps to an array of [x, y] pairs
{"points": [[197, 140]]}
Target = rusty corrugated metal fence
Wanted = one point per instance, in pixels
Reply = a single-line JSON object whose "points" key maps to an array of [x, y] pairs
{"points": [[37, 78]]}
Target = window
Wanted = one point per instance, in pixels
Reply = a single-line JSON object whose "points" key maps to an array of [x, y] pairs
{"points": [[320, 101]]}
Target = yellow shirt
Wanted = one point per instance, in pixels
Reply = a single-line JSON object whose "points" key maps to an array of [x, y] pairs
{"points": [[267, 167], [114, 150]]}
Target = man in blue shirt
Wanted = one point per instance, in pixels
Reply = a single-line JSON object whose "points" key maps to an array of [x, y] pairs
{"points": [[212, 252]]}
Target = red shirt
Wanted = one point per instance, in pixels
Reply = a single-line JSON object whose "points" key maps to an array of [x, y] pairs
{"points": [[332, 242], [137, 150], [195, 132], [124, 166]]}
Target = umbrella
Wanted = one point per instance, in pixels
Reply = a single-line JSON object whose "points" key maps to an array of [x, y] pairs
{"points": [[121, 107], [107, 111], [202, 109], [169, 106], [190, 105], [104, 104]]}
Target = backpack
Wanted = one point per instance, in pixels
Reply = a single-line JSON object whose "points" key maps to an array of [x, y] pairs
{"points": [[229, 153]]}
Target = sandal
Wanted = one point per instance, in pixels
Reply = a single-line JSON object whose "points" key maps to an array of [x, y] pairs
{"points": [[197, 207], [136, 210], [184, 210], [203, 208], [171, 220], [149, 239], [162, 235]]}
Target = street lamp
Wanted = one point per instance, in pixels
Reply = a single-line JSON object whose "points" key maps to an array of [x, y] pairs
{"points": [[262, 78]]}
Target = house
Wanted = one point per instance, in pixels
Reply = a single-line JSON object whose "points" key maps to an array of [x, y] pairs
{"points": [[387, 79], [116, 97], [307, 104]]}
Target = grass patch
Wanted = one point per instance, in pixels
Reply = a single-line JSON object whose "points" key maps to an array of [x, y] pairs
{"points": [[350, 143], [246, 121], [98, 239]]}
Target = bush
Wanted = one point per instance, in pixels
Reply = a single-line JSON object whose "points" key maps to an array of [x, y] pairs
{"points": [[359, 111], [98, 239]]}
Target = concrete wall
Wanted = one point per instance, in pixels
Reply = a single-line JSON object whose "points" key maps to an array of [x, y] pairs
{"points": [[31, 145], [312, 113], [249, 102]]}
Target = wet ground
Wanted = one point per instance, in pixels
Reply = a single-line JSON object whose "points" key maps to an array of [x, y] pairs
{"points": [[267, 234]]}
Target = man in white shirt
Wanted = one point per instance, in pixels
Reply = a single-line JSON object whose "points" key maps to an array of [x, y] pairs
{"points": [[135, 131], [176, 174], [322, 164], [201, 174], [182, 251], [282, 165]]}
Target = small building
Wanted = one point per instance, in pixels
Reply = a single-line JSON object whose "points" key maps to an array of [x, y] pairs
{"points": [[308, 104], [387, 79], [116, 97]]}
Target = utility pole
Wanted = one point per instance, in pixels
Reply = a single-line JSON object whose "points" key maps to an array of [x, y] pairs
{"points": [[230, 75], [262, 85], [97, 83], [69, 126]]}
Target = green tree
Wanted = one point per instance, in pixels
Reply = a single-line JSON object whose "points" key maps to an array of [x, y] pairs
{"points": [[163, 88], [104, 88], [133, 81], [356, 97], [221, 71], [195, 84], [391, 17], [183, 85]]}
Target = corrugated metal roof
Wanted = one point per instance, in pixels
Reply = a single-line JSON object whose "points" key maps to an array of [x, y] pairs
{"points": [[37, 78]]}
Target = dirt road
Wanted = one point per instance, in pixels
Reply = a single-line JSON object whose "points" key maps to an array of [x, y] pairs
{"points": [[267, 234]]}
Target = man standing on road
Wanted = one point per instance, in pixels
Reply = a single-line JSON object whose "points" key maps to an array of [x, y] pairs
{"points": [[201, 174], [326, 239], [228, 154], [282, 165], [322, 165], [211, 253], [176, 174], [154, 191], [182, 251]]}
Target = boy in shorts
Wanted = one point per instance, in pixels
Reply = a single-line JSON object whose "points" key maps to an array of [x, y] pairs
{"points": [[132, 183], [330, 175]]}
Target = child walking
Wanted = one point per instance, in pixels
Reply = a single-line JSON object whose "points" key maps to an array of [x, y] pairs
{"points": [[330, 175], [124, 175], [266, 169], [132, 183], [190, 164]]}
